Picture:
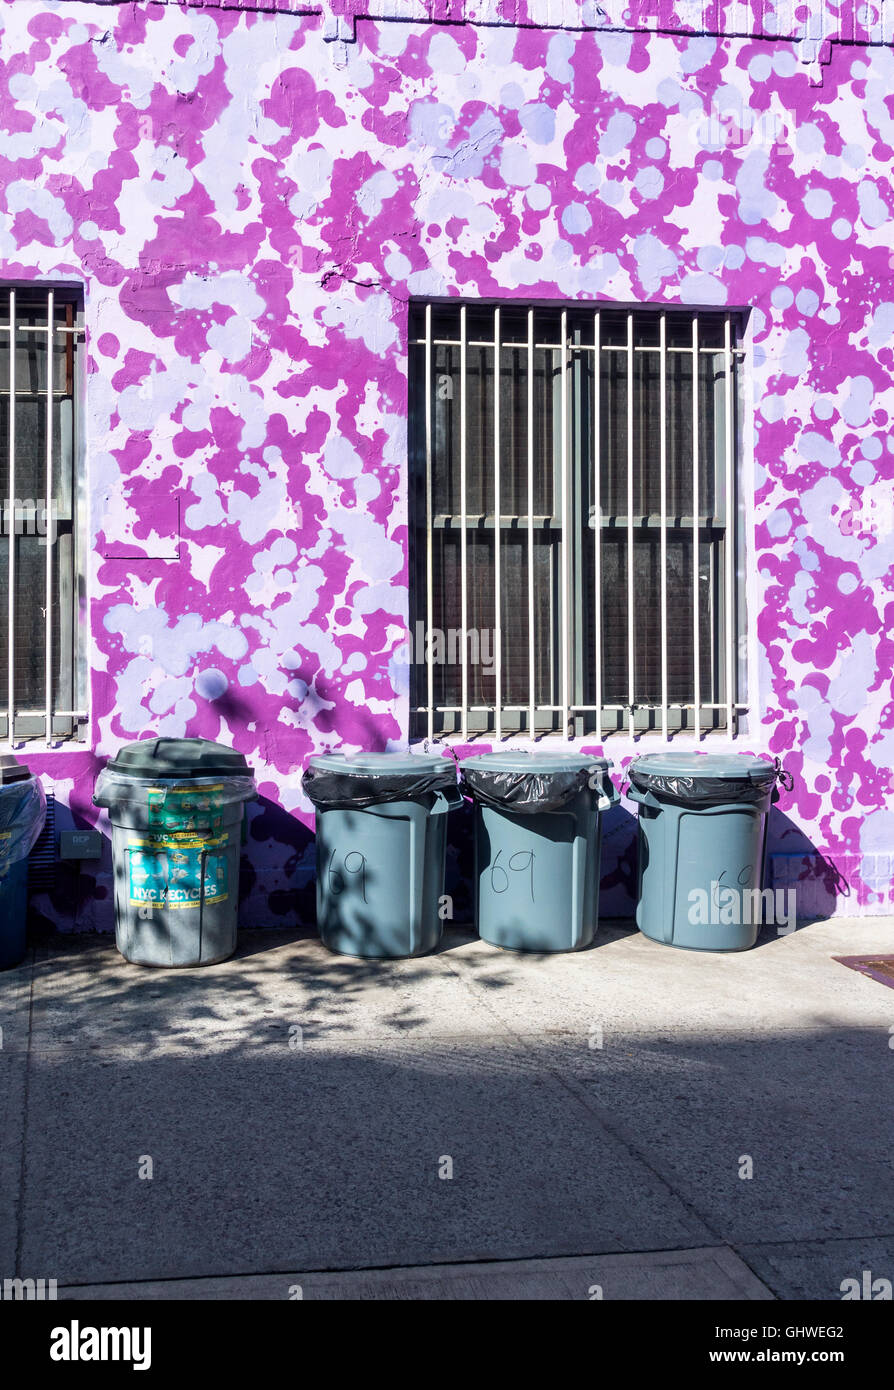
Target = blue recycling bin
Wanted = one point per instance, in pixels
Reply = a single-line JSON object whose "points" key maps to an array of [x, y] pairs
{"points": [[22, 814], [702, 843], [538, 842], [381, 848]]}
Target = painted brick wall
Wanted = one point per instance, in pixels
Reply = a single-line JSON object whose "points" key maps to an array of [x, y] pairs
{"points": [[249, 219]]}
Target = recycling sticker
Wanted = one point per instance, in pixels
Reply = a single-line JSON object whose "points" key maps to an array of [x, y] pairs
{"points": [[178, 870], [186, 808]]}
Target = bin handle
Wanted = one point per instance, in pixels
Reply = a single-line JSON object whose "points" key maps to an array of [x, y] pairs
{"points": [[609, 796], [784, 779], [447, 800], [643, 798], [781, 778]]}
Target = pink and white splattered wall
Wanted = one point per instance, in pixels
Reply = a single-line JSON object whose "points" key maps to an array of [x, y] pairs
{"points": [[249, 209]]}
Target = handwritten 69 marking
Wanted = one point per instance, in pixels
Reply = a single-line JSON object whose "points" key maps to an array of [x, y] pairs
{"points": [[354, 867], [519, 863]]}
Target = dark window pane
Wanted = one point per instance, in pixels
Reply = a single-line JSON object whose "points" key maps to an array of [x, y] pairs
{"points": [[710, 331], [613, 433], [712, 415], [612, 328], [646, 330], [513, 432], [513, 325], [647, 434], [679, 434], [548, 326], [479, 324], [679, 330], [614, 620], [446, 392], [547, 379], [480, 432]]}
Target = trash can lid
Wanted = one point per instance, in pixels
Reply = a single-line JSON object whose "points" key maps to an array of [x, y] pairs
{"points": [[728, 766], [178, 757], [376, 764], [11, 770], [519, 760], [529, 783]]}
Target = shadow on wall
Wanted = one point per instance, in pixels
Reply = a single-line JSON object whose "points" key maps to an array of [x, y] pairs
{"points": [[285, 886], [82, 897], [82, 893], [617, 892], [794, 863], [460, 865], [278, 887]]}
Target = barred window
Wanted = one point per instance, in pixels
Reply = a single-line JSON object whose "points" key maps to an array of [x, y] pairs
{"points": [[42, 658], [576, 533]]}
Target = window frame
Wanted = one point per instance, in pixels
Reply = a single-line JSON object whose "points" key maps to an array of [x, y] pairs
{"points": [[716, 535]]}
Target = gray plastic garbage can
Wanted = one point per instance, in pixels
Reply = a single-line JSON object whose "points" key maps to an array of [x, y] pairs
{"points": [[538, 840], [381, 845], [23, 809], [176, 808], [702, 840]]}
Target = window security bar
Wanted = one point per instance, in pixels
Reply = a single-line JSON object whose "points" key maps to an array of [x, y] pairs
{"points": [[568, 416]]}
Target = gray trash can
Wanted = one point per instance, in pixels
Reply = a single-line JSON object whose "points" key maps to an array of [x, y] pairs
{"points": [[176, 808], [538, 841], [23, 809], [381, 845], [702, 842]]}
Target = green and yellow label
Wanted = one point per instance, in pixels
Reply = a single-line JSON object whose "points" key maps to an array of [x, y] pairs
{"points": [[177, 870]]}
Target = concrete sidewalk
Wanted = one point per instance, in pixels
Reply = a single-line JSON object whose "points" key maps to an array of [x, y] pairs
{"points": [[473, 1124]]}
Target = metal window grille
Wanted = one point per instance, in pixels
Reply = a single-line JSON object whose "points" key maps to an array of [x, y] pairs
{"points": [[575, 521], [42, 659]]}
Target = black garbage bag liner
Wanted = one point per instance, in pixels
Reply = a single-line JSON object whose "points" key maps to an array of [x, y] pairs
{"points": [[354, 791], [527, 792], [692, 790]]}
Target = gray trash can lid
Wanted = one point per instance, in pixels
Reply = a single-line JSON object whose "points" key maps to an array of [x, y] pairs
{"points": [[376, 764], [183, 758], [726, 765], [705, 778], [518, 760], [341, 782], [11, 770], [531, 783]]}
